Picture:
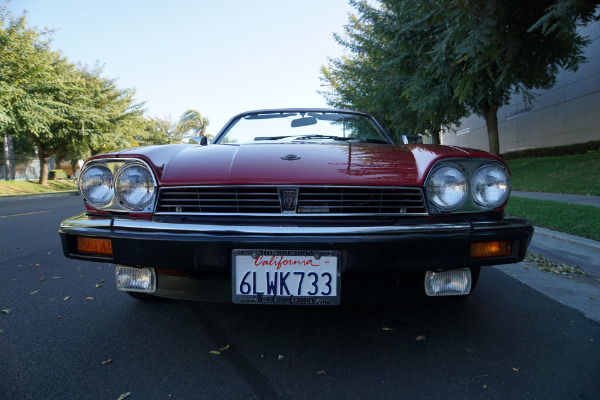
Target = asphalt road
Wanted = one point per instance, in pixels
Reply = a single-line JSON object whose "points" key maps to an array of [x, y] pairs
{"points": [[506, 341]]}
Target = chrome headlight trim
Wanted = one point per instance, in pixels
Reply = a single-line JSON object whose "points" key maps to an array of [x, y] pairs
{"points": [[471, 168], [121, 187], [479, 186], [435, 191], [104, 183], [116, 166]]}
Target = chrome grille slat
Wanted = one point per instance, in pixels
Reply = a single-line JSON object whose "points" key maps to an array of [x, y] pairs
{"points": [[312, 200]]}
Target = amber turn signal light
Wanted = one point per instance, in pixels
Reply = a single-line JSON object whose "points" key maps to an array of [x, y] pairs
{"points": [[100, 247], [499, 248]]}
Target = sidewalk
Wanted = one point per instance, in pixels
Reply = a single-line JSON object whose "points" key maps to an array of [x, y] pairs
{"points": [[593, 201]]}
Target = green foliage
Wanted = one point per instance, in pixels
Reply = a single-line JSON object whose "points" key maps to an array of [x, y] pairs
{"points": [[427, 63], [63, 109], [574, 174], [159, 131], [192, 123], [576, 148], [573, 219], [57, 174]]}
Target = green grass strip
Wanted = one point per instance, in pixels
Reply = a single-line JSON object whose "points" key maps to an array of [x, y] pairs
{"points": [[20, 188], [575, 174], [573, 219]]}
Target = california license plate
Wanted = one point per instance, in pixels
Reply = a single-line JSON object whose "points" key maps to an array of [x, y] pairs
{"points": [[286, 277]]}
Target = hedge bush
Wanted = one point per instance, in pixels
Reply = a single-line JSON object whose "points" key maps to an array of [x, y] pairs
{"points": [[567, 150], [57, 174]]}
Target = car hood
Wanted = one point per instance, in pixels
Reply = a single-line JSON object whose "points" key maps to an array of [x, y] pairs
{"points": [[294, 164]]}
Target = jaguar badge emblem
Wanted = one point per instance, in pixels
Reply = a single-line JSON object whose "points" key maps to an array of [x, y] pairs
{"points": [[291, 157], [288, 199]]}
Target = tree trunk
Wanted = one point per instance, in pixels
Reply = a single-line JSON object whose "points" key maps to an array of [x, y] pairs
{"points": [[435, 132], [6, 158], [11, 156], [43, 156], [58, 161], [490, 113], [43, 169]]}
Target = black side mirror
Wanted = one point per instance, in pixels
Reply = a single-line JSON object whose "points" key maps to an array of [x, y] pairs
{"points": [[203, 141]]}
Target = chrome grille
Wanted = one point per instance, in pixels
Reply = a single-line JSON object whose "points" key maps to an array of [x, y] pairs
{"points": [[321, 200]]}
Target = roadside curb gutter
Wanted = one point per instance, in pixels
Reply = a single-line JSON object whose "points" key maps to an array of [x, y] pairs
{"points": [[38, 196]]}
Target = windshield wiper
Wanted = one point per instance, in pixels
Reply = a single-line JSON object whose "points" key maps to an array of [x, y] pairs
{"points": [[256, 139], [342, 139], [320, 137], [368, 140]]}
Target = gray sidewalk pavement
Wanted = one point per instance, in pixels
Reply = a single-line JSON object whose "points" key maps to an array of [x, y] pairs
{"points": [[593, 201]]}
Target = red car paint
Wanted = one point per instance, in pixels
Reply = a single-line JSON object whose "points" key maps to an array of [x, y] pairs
{"points": [[317, 163]]}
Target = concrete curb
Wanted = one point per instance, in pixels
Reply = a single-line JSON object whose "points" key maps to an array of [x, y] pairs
{"points": [[569, 238], [567, 249], [39, 196]]}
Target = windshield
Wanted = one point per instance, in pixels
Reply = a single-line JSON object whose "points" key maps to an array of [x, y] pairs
{"points": [[300, 126]]}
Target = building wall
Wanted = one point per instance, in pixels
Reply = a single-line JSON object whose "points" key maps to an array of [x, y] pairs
{"points": [[567, 113]]}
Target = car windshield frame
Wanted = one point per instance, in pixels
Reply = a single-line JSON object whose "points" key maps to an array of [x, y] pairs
{"points": [[299, 119]]}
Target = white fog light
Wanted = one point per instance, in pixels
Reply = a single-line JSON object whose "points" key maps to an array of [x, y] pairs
{"points": [[448, 283], [135, 279]]}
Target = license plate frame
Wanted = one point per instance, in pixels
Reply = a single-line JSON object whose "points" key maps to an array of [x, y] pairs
{"points": [[257, 275]]}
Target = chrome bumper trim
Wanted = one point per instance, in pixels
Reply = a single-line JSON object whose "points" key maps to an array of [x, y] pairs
{"points": [[82, 222]]}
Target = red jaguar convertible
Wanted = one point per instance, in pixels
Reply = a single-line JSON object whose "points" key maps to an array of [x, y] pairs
{"points": [[296, 207]]}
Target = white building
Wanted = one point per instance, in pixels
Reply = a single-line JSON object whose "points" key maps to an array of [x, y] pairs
{"points": [[567, 113]]}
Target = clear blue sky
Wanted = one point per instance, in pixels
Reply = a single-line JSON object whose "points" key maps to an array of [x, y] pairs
{"points": [[219, 57]]}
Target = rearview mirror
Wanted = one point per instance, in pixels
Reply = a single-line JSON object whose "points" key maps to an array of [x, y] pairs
{"points": [[304, 122]]}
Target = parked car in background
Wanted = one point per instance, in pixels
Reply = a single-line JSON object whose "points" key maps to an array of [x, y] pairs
{"points": [[297, 207]]}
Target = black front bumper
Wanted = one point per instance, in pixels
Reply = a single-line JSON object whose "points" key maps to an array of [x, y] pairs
{"points": [[365, 250]]}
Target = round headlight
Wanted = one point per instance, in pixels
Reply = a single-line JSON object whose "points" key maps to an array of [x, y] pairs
{"points": [[447, 187], [490, 186], [96, 185], [135, 187]]}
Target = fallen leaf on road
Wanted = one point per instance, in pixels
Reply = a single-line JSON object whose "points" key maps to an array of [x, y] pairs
{"points": [[1, 331], [224, 348], [66, 298], [106, 362], [516, 369], [385, 328], [98, 285], [101, 280], [89, 298], [322, 373], [124, 395], [56, 277], [59, 317], [280, 357], [42, 279], [34, 292], [6, 311], [420, 337], [215, 352], [37, 265], [485, 386]]}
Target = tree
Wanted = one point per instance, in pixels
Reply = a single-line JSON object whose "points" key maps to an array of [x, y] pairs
{"points": [[160, 131], [443, 58], [384, 74], [192, 121]]}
